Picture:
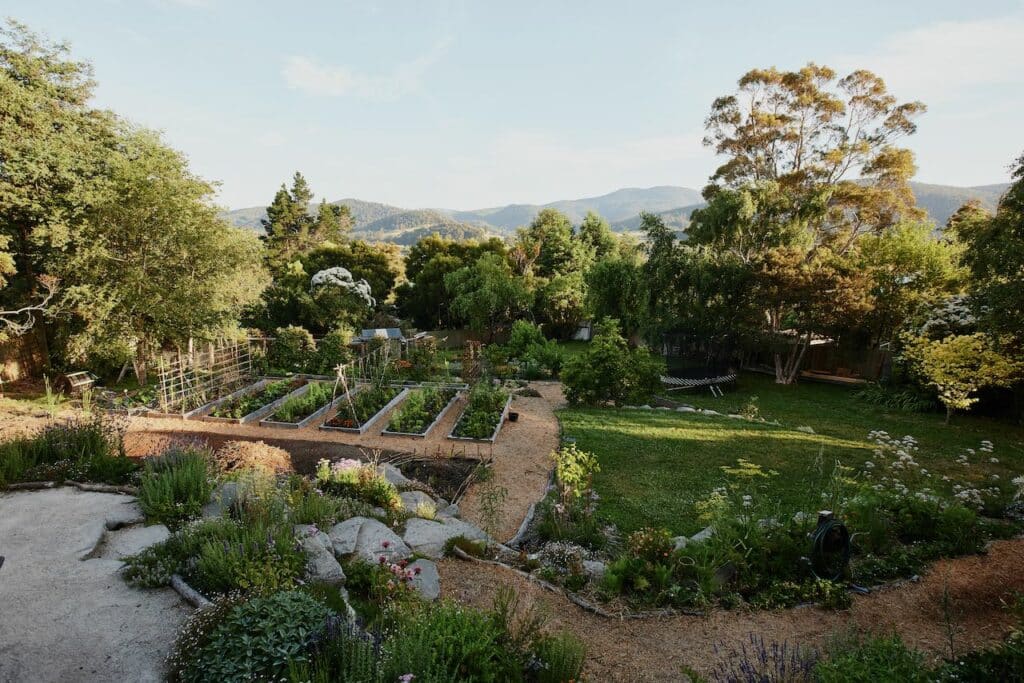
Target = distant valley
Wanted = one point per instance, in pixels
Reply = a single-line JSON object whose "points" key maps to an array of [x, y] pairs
{"points": [[385, 223]]}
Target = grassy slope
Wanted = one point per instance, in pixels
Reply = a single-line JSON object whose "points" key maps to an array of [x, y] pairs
{"points": [[656, 464]]}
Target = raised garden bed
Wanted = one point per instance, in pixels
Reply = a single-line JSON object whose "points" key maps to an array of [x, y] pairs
{"points": [[252, 402], [421, 411], [368, 404], [302, 407], [483, 416]]}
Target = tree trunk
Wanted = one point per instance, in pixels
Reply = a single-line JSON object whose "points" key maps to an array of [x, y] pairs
{"points": [[139, 363], [949, 413]]}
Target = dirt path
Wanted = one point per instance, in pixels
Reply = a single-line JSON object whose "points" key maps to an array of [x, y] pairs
{"points": [[655, 649], [68, 619]]}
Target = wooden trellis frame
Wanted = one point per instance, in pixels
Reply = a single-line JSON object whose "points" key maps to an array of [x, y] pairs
{"points": [[191, 379]]}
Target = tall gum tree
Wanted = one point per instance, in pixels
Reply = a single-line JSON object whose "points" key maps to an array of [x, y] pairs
{"points": [[811, 166]]}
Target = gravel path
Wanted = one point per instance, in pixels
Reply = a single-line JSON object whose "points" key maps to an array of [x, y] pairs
{"points": [[64, 618], [655, 649]]}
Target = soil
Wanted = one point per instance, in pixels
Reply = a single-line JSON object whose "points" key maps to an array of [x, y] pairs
{"points": [[656, 649]]}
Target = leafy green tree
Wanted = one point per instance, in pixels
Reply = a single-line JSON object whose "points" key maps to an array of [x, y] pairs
{"points": [[292, 231], [595, 233], [488, 294], [805, 297], [615, 289], [959, 365], [53, 147], [546, 245], [994, 253], [610, 372], [154, 264], [424, 299], [909, 270], [374, 263]]}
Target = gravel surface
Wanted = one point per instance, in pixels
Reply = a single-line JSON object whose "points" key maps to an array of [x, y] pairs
{"points": [[68, 619]]}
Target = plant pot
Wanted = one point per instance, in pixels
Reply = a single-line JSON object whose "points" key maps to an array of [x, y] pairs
{"points": [[513, 417]]}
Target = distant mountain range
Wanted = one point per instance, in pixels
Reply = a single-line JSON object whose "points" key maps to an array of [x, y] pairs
{"points": [[385, 223]]}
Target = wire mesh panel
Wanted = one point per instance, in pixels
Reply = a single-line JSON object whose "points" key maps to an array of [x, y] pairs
{"points": [[192, 379]]}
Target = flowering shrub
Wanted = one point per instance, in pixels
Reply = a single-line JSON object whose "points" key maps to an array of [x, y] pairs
{"points": [[175, 486], [359, 480]]}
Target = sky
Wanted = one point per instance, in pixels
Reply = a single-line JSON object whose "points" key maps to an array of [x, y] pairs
{"points": [[463, 104]]}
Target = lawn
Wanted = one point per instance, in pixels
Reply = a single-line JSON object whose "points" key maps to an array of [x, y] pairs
{"points": [[656, 464]]}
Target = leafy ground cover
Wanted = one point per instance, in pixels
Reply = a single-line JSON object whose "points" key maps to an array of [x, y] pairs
{"points": [[298, 408], [656, 465], [482, 413], [243, 405], [419, 410], [367, 402]]}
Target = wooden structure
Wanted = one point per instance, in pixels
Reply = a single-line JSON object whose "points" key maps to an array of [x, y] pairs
{"points": [[189, 380]]}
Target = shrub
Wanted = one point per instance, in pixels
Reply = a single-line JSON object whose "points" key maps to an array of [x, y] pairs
{"points": [[333, 351], [254, 556], [84, 449], [1004, 662], [175, 486], [559, 658], [609, 371], [449, 642], [293, 349], [358, 480], [759, 661], [312, 506], [870, 660], [256, 639]]}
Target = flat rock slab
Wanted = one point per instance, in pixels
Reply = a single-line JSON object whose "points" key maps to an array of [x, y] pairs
{"points": [[368, 539], [125, 542], [65, 619], [428, 538]]}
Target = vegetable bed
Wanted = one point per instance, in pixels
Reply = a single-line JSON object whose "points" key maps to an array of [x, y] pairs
{"points": [[242, 406], [484, 414], [421, 411], [356, 413], [303, 406]]}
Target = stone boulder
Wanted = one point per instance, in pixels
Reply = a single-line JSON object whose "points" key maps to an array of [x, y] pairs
{"points": [[372, 540], [416, 502], [679, 542], [594, 569], [222, 500], [426, 579], [394, 475], [428, 537], [702, 535]]}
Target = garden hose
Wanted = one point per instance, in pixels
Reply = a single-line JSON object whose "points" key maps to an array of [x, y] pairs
{"points": [[830, 541]]}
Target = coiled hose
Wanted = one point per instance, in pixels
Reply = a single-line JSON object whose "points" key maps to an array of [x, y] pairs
{"points": [[830, 550]]}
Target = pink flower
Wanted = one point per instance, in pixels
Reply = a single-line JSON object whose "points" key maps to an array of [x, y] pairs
{"points": [[406, 678], [386, 544], [383, 559], [417, 570]]}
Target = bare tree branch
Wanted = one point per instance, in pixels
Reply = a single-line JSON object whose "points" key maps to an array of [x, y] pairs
{"points": [[19, 321]]}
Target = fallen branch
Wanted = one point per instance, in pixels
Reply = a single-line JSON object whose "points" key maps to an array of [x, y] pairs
{"points": [[189, 594]]}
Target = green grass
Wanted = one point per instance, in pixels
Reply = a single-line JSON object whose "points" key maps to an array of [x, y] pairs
{"points": [[656, 464], [570, 349]]}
